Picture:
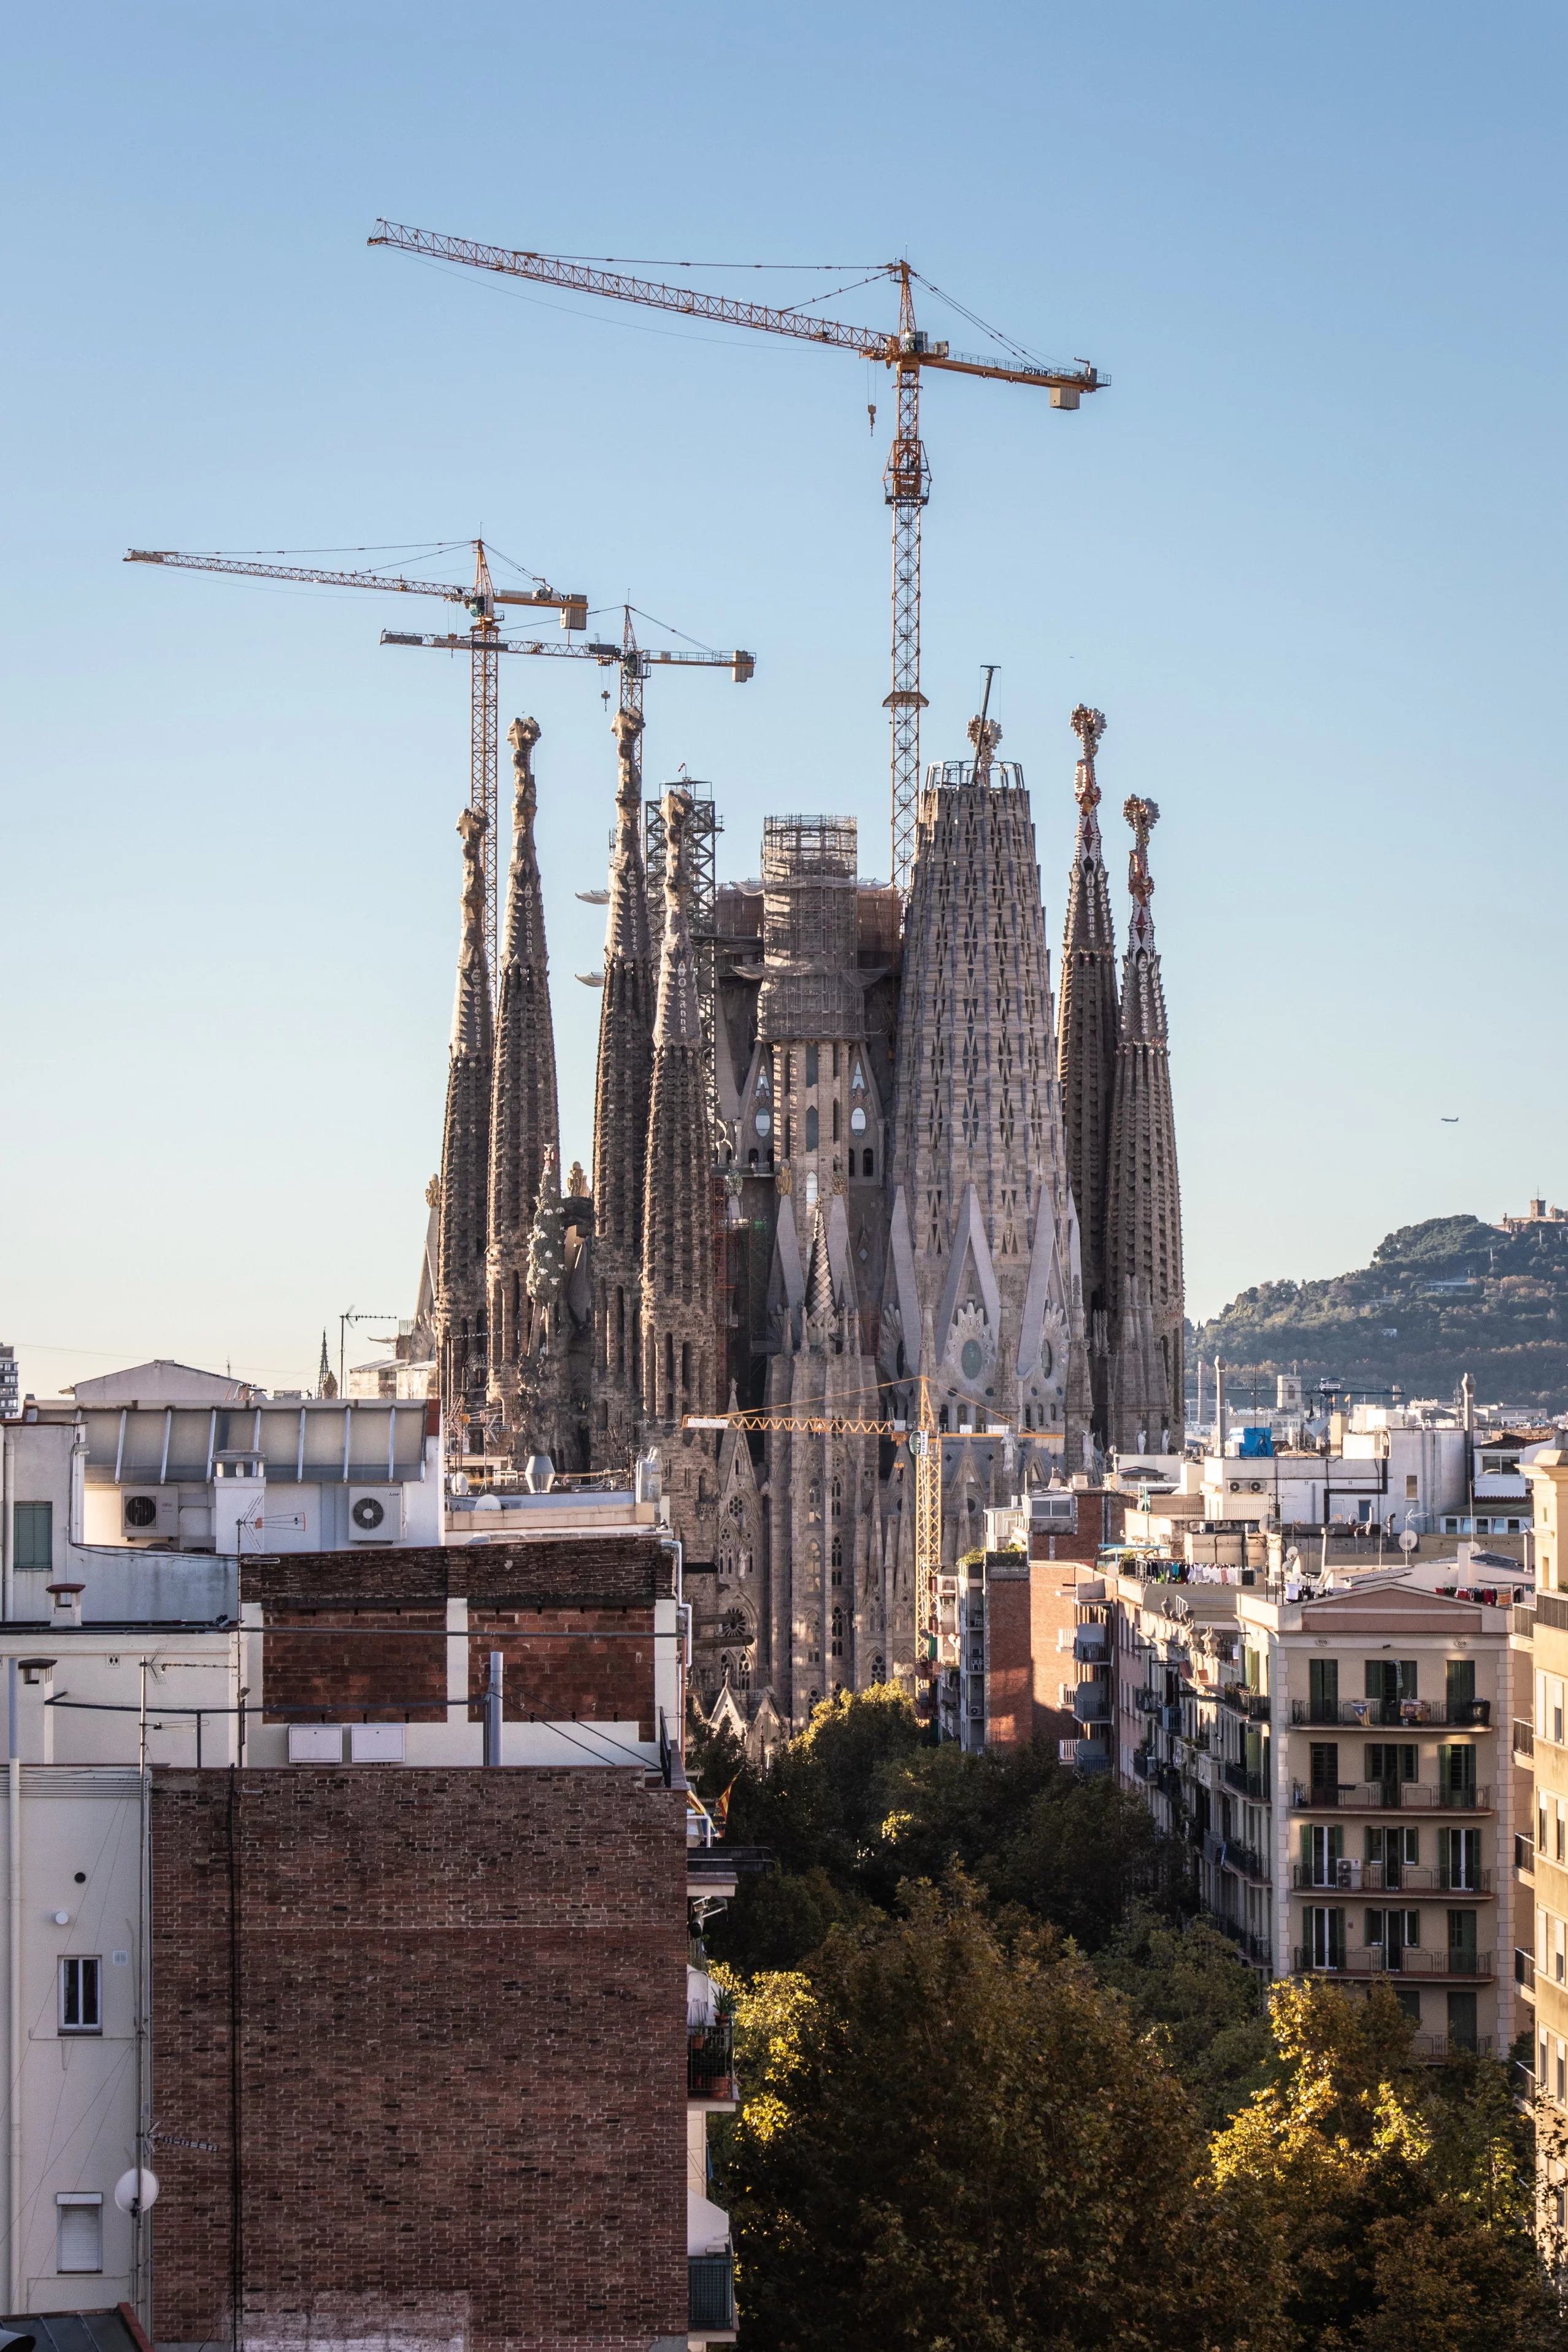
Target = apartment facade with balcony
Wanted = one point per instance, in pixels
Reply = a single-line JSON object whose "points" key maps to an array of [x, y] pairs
{"points": [[1341, 1768], [1540, 1760]]}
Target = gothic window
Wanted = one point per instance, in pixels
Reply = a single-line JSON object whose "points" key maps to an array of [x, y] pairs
{"points": [[811, 1065], [837, 1554], [686, 1366], [835, 1061], [837, 1499], [735, 1623], [878, 1668], [745, 1673], [839, 1632], [736, 1507], [834, 1119], [764, 1084], [811, 1127], [857, 1121], [789, 1073], [869, 1165]]}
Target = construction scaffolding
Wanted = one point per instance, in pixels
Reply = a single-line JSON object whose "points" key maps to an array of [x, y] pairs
{"points": [[810, 917], [702, 836]]}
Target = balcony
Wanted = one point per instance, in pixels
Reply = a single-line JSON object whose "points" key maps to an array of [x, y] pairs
{"points": [[1406, 1960], [710, 2295], [1390, 1878], [1438, 2048], [1395, 1714], [1524, 1738], [1255, 1706], [1143, 1765], [710, 2062], [1245, 1783], [1524, 1854], [1092, 1643], [1230, 1854], [1257, 1948], [1091, 1702], [1524, 1971], [1147, 1700], [1171, 1716], [1387, 1796]]}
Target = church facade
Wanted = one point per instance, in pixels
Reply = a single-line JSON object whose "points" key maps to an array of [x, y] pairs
{"points": [[844, 1145]]}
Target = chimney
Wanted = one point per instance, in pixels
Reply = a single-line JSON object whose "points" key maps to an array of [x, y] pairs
{"points": [[67, 1600]]}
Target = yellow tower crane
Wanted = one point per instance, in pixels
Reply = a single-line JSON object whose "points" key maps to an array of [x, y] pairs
{"points": [[906, 481], [925, 1445]]}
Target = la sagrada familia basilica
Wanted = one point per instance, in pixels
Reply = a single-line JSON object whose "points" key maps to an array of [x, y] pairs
{"points": [[844, 1140]]}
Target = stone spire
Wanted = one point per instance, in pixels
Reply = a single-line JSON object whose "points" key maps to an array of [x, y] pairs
{"points": [[621, 1116], [524, 1121], [465, 1155], [678, 1333], [1144, 1208], [1087, 1035]]}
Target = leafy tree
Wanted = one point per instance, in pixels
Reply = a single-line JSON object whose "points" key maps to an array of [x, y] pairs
{"points": [[1384, 2206], [1189, 1985], [960, 2147]]}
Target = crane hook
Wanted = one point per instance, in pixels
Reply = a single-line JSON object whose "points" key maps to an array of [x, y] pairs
{"points": [[871, 413]]}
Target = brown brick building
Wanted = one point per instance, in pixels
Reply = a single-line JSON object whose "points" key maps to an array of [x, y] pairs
{"points": [[419, 2026]]}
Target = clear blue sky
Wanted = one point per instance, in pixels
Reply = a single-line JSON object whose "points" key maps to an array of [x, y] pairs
{"points": [[1305, 553]]}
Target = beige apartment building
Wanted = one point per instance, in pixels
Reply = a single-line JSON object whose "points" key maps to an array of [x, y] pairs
{"points": [[1541, 1746], [1340, 1764]]}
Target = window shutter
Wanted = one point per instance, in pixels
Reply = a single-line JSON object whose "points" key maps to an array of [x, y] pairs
{"points": [[81, 2235]]}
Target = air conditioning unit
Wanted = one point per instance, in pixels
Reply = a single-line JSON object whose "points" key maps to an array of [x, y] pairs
{"points": [[148, 1514], [375, 1514]]}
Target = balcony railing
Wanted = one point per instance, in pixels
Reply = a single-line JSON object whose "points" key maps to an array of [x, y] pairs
{"points": [[1387, 1796], [1402, 1960], [1524, 1853], [1246, 1784], [1390, 1877], [1091, 1702], [710, 2295], [1393, 1714], [711, 2060], [1147, 1700], [1230, 1854], [1524, 1971], [1144, 1764], [1256, 1947], [1524, 1738], [1255, 1706], [1440, 2046]]}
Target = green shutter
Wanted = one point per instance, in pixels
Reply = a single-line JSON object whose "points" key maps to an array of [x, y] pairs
{"points": [[33, 1527]]}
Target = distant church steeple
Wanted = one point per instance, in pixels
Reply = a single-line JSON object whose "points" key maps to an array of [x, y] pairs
{"points": [[621, 1115], [524, 1120], [465, 1153], [1143, 1276], [1087, 1031], [679, 1333]]}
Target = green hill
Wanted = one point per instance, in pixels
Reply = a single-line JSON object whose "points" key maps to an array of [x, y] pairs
{"points": [[1439, 1299]]}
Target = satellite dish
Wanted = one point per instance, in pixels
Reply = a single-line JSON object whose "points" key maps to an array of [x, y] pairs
{"points": [[1409, 1540], [10, 2342], [136, 2192]]}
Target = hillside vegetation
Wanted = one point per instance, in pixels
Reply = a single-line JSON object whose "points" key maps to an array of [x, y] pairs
{"points": [[1388, 1323]]}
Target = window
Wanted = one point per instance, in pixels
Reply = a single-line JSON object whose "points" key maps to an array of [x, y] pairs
{"points": [[867, 1164], [812, 1127], [1396, 1931], [1459, 1859], [1456, 1774], [1323, 1675], [1462, 2020], [79, 2223], [1387, 1765], [33, 1527], [1562, 2074], [1323, 1851], [835, 1061], [1460, 1688], [1561, 1849], [1412, 1486], [811, 1065], [1325, 1766], [1462, 1941], [839, 1632], [81, 2009], [1390, 1682], [834, 1119], [1326, 1931], [1410, 2003]]}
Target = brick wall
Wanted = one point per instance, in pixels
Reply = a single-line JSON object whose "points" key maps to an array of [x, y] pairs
{"points": [[610, 1679], [426, 2029], [570, 1572], [347, 1671], [1009, 1687]]}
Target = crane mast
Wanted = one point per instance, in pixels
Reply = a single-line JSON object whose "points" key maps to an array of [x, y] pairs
{"points": [[905, 480]]}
